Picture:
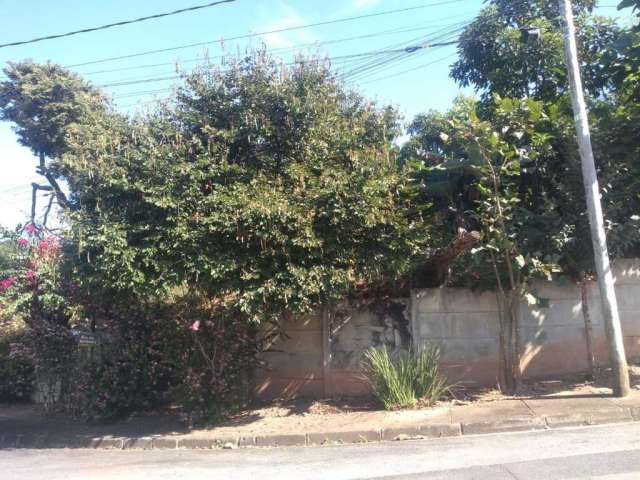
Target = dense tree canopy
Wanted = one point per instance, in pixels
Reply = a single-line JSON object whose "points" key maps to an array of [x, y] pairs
{"points": [[42, 101], [496, 57], [273, 189]]}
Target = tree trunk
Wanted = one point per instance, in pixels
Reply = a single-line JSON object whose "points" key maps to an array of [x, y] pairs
{"points": [[434, 272], [509, 355], [517, 348]]}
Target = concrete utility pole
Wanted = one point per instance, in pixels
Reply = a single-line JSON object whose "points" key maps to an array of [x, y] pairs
{"points": [[596, 222]]}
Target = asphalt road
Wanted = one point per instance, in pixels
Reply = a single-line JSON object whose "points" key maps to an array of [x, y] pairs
{"points": [[606, 452]]}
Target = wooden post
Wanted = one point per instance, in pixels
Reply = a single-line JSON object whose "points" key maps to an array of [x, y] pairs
{"points": [[596, 222]]}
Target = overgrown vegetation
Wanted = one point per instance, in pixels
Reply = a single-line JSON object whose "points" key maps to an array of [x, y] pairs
{"points": [[263, 191], [17, 379], [402, 379], [506, 166]]}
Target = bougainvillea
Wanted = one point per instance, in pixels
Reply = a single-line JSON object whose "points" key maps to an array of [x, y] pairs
{"points": [[34, 291]]}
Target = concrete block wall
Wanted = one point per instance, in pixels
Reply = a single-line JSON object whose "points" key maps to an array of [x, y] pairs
{"points": [[465, 326], [293, 364], [353, 330], [321, 355]]}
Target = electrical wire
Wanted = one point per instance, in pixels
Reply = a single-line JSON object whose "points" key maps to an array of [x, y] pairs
{"points": [[391, 56], [374, 66], [409, 50], [316, 44], [116, 24], [258, 34], [414, 69], [440, 34]]}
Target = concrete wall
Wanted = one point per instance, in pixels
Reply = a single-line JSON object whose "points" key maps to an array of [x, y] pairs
{"points": [[320, 356], [465, 326], [293, 364]]}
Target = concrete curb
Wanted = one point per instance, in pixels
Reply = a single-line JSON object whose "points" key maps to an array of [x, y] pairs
{"points": [[480, 427]]}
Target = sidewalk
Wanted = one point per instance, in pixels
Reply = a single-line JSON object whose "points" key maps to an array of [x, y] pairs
{"points": [[589, 406]]}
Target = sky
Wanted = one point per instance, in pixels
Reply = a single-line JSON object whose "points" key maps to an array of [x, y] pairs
{"points": [[414, 84]]}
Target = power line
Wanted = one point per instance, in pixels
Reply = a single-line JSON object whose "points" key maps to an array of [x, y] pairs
{"points": [[117, 24], [258, 34], [395, 31], [331, 60], [407, 50], [365, 69], [403, 72], [143, 92]]}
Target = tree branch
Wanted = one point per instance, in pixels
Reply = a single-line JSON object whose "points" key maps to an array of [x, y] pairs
{"points": [[34, 190], [46, 212], [44, 171]]}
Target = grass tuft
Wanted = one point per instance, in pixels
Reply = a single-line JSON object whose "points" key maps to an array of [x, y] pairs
{"points": [[403, 379]]}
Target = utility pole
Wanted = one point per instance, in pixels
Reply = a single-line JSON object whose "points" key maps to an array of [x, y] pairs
{"points": [[598, 237]]}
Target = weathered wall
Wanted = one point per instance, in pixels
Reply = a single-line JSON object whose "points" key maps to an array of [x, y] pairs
{"points": [[293, 364], [464, 325], [353, 330], [321, 355]]}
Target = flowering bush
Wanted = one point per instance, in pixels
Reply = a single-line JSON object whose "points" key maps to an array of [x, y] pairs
{"points": [[183, 350], [34, 291], [123, 380]]}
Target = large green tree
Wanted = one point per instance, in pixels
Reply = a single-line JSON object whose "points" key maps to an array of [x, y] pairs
{"points": [[259, 192], [272, 188], [498, 56]]}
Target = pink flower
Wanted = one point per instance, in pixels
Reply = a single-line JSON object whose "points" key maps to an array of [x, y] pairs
{"points": [[47, 246], [23, 242], [7, 283], [195, 326], [31, 229], [31, 276]]}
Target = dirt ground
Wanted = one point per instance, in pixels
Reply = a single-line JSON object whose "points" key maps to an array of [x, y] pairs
{"points": [[332, 415], [352, 413]]}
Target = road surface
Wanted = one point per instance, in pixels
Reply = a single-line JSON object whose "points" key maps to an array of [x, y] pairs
{"points": [[609, 452]]}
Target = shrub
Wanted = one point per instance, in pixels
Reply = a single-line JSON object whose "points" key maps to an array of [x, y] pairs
{"points": [[216, 357], [16, 372], [120, 383], [405, 378]]}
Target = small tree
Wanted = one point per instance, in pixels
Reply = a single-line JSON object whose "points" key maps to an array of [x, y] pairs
{"points": [[512, 226], [43, 101]]}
